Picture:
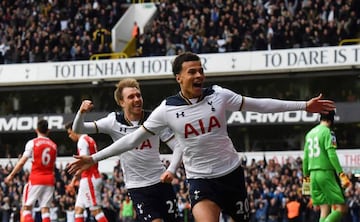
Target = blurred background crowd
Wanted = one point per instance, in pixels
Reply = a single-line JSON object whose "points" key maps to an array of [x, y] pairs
{"points": [[53, 30], [274, 192]]}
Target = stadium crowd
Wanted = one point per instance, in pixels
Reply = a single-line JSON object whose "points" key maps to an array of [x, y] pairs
{"points": [[274, 193], [50, 31], [44, 31]]}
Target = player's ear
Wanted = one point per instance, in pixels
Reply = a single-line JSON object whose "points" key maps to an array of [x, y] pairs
{"points": [[177, 77], [121, 103]]}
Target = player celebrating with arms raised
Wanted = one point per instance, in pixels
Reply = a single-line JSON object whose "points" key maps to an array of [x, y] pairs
{"points": [[142, 168], [197, 116]]}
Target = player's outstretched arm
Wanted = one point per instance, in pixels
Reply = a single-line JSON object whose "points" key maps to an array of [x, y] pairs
{"points": [[268, 105], [128, 142], [319, 105]]}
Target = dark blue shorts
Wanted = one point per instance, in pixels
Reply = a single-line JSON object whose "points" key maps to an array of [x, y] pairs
{"points": [[156, 201], [228, 192]]}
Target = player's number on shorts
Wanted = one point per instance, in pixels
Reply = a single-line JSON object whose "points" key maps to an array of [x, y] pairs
{"points": [[171, 206], [314, 148], [243, 207], [45, 156]]}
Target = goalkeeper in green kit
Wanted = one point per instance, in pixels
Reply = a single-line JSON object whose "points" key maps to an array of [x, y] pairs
{"points": [[324, 178]]}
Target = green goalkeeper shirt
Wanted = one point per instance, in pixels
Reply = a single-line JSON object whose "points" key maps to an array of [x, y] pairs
{"points": [[320, 150]]}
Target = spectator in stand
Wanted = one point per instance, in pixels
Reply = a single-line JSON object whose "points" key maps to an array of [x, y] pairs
{"points": [[62, 199], [353, 201], [328, 23], [273, 210], [5, 209], [135, 31], [261, 211], [127, 210], [101, 38], [293, 208]]}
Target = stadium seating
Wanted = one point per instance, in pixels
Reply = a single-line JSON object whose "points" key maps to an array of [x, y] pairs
{"points": [[45, 31]]}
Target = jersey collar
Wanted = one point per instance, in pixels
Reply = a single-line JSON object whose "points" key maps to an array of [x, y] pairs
{"points": [[120, 117], [205, 92]]}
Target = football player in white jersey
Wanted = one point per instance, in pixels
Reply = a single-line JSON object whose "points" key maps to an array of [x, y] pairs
{"points": [[197, 116], [141, 166]]}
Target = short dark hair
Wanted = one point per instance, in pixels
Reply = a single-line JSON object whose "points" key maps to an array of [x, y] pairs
{"points": [[329, 116], [180, 59], [43, 126], [68, 125]]}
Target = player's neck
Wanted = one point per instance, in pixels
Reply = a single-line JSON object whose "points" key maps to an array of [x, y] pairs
{"points": [[325, 123], [41, 135], [133, 116], [192, 99]]}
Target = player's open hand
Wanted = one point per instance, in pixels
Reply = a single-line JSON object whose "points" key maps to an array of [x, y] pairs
{"points": [[167, 177], [319, 105], [80, 164]]}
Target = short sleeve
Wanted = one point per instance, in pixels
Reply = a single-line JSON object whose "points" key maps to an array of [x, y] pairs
{"points": [[29, 148], [83, 147]]}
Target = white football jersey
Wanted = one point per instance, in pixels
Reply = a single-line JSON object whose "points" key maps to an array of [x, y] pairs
{"points": [[142, 165], [202, 130]]}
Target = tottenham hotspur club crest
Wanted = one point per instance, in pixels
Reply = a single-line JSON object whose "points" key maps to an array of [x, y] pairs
{"points": [[139, 206], [211, 104], [196, 192]]}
